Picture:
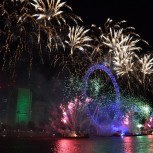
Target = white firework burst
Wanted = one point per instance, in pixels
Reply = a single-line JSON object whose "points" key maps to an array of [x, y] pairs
{"points": [[118, 47], [146, 64], [123, 62], [118, 41], [78, 38], [51, 9]]}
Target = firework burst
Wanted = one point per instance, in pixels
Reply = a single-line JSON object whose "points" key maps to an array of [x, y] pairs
{"points": [[29, 31], [132, 112], [74, 118], [123, 62], [52, 9], [15, 34], [117, 48], [53, 19], [75, 58], [78, 38], [137, 105], [146, 64], [97, 88]]}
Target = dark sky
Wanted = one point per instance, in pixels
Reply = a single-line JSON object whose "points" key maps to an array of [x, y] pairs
{"points": [[138, 14]]}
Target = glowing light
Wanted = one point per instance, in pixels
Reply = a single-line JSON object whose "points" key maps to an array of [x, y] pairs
{"points": [[88, 100], [126, 119], [139, 125], [71, 105], [149, 125], [149, 122], [64, 120], [64, 113], [146, 109]]}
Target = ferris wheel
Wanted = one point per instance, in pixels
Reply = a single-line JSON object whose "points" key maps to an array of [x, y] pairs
{"points": [[97, 111]]}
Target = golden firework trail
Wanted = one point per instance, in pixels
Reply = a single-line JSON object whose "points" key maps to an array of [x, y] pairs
{"points": [[30, 30]]}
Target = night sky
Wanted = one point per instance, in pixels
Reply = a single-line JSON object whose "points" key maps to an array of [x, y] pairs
{"points": [[138, 14]]}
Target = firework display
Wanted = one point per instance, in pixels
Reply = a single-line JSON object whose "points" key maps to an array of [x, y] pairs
{"points": [[101, 67], [70, 119], [77, 38], [134, 110], [30, 30], [96, 86], [106, 116], [47, 31], [149, 123], [116, 47]]}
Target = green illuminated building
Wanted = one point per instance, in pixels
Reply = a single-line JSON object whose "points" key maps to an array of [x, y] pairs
{"points": [[23, 109]]}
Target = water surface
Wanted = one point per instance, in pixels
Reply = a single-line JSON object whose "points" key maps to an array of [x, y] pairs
{"points": [[139, 144]]}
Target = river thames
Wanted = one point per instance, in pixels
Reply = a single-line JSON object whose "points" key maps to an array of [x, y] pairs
{"points": [[134, 144]]}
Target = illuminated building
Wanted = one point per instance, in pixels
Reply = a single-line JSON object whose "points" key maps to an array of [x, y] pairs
{"points": [[23, 109]]}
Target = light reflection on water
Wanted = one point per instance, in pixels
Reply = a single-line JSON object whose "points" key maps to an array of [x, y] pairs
{"points": [[74, 146], [127, 144], [139, 144]]}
